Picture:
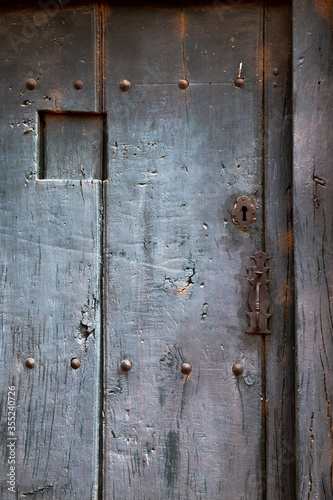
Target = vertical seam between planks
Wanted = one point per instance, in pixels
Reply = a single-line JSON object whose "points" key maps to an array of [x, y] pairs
{"points": [[263, 206], [99, 13], [183, 38], [263, 125], [183, 51], [295, 360], [291, 254]]}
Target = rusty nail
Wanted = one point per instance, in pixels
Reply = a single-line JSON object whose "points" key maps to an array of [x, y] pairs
{"points": [[126, 365], [239, 82], [186, 368], [275, 71], [124, 85], [183, 84], [75, 363], [237, 369], [78, 84], [30, 363], [31, 84]]}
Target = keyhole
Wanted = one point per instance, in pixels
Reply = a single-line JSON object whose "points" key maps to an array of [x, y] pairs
{"points": [[244, 210]]}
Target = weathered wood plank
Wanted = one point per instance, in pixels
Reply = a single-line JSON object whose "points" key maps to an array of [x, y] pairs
{"points": [[175, 282], [50, 262], [280, 381], [313, 215]]}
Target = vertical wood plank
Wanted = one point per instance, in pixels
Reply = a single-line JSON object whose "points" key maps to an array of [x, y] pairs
{"points": [[176, 266], [313, 215], [50, 242], [280, 392]]}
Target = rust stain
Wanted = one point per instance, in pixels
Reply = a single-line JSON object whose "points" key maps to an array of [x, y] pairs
{"points": [[183, 289], [325, 9], [286, 240]]}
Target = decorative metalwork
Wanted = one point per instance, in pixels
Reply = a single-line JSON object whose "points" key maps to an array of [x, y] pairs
{"points": [[244, 213], [259, 300]]}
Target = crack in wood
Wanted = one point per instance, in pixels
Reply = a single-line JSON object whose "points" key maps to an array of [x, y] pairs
{"points": [[38, 490]]}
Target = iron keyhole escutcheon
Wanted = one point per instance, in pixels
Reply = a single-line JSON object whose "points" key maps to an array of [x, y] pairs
{"points": [[244, 213]]}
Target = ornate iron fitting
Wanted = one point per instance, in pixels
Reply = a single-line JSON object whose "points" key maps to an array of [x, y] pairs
{"points": [[244, 213], [259, 300]]}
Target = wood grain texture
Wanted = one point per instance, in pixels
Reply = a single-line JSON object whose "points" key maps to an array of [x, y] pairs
{"points": [[313, 214], [175, 279], [50, 236], [280, 369]]}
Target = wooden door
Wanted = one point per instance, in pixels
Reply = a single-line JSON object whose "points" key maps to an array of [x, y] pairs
{"points": [[125, 146]]}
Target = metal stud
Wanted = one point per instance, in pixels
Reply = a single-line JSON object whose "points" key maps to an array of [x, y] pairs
{"points": [[183, 84], [275, 71], [186, 368], [75, 363], [237, 369], [78, 84], [31, 84], [124, 85], [239, 82], [126, 365], [30, 363]]}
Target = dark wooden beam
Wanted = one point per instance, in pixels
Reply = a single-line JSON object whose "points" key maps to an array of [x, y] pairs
{"points": [[313, 222], [280, 379]]}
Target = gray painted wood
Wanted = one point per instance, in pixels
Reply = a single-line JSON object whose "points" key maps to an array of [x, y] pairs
{"points": [[50, 234], [175, 270], [313, 211], [280, 379]]}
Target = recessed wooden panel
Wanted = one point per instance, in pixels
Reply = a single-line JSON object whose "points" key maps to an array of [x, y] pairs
{"points": [[71, 146]]}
